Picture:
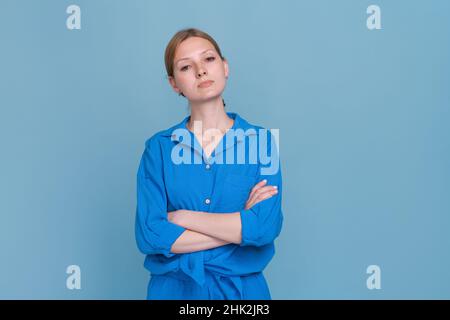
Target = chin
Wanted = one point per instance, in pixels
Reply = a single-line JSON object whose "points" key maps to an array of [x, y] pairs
{"points": [[208, 95]]}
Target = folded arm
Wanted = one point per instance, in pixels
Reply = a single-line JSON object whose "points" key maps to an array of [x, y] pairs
{"points": [[223, 226], [258, 224], [191, 241], [155, 234]]}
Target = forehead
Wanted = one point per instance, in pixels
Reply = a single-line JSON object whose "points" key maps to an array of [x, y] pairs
{"points": [[192, 47]]}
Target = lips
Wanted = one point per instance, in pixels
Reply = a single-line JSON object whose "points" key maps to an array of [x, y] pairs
{"points": [[205, 84]]}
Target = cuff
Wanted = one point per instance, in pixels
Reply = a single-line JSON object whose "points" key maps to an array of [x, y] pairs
{"points": [[170, 234], [249, 222]]}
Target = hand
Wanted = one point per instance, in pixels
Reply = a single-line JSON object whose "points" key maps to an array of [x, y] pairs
{"points": [[260, 193]]}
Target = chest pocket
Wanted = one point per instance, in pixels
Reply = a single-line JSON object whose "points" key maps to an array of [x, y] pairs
{"points": [[235, 191]]}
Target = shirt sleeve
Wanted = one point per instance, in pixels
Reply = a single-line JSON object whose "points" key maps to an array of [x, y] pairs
{"points": [[262, 223], [154, 233]]}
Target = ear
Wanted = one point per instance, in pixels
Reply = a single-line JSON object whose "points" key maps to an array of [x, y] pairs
{"points": [[225, 67], [173, 84]]}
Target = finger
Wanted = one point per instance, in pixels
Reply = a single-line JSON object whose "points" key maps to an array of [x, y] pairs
{"points": [[264, 196], [270, 192], [259, 192], [257, 186], [249, 204], [260, 196], [258, 189], [264, 189]]}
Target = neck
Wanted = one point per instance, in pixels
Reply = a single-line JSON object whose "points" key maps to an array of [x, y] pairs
{"points": [[211, 113]]}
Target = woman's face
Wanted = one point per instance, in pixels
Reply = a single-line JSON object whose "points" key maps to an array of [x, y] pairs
{"points": [[195, 62]]}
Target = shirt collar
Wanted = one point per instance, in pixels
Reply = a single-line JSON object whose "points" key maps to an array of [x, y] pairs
{"points": [[227, 142], [239, 123]]}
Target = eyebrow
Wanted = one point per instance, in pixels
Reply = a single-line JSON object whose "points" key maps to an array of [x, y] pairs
{"points": [[176, 62]]}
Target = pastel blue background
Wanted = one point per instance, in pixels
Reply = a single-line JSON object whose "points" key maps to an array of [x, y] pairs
{"points": [[364, 139]]}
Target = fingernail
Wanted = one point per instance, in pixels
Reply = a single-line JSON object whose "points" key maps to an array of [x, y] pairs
{"points": [[275, 187], [265, 180]]}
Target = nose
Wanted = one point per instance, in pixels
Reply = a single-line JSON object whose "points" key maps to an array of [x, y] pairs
{"points": [[200, 74], [201, 71]]}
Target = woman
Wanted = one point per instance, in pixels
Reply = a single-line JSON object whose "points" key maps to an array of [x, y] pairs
{"points": [[207, 226]]}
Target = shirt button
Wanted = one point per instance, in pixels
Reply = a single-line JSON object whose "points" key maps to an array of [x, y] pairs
{"points": [[207, 201], [208, 167]]}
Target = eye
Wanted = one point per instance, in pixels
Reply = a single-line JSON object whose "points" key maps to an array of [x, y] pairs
{"points": [[211, 58], [184, 68]]}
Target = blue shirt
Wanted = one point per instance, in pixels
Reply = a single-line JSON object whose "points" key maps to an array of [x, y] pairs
{"points": [[210, 185]]}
